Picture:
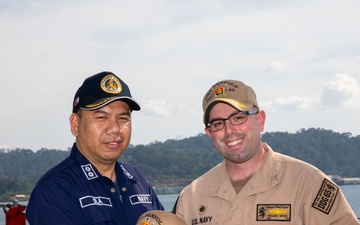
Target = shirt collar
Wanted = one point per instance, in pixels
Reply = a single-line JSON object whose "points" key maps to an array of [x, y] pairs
{"points": [[91, 173], [266, 176]]}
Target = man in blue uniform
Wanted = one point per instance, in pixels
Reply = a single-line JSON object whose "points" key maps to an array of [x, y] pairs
{"points": [[91, 186]]}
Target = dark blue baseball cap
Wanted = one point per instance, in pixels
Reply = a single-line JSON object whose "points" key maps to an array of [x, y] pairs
{"points": [[100, 90]]}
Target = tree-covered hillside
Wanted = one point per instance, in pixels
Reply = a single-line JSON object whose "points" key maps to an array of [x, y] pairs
{"points": [[177, 162], [333, 153]]}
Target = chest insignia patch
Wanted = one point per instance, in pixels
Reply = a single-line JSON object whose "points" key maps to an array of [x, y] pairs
{"points": [[326, 197], [273, 212]]}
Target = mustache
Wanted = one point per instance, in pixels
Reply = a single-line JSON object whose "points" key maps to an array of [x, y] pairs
{"points": [[114, 138]]}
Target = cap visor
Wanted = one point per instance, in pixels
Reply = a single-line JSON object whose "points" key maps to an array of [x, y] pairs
{"points": [[102, 102], [237, 105]]}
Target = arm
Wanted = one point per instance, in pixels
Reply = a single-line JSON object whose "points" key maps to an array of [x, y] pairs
{"points": [[328, 205]]}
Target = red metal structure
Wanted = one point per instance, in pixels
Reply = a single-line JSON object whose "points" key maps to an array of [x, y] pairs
{"points": [[14, 215]]}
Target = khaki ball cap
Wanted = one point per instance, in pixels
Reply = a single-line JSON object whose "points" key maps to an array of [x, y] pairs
{"points": [[159, 217]]}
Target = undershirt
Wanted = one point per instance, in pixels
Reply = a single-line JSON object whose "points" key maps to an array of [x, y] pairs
{"points": [[239, 184], [117, 187]]}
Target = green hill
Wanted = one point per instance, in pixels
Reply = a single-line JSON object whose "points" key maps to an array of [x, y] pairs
{"points": [[175, 163]]}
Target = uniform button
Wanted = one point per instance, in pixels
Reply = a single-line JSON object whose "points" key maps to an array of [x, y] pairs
{"points": [[123, 189], [113, 190]]}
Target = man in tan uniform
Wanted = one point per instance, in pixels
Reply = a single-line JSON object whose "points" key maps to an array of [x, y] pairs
{"points": [[254, 184]]}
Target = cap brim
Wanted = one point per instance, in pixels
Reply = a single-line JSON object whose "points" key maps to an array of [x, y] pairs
{"points": [[237, 105], [102, 102]]}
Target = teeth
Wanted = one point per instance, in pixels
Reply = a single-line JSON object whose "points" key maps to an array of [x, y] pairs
{"points": [[234, 142]]}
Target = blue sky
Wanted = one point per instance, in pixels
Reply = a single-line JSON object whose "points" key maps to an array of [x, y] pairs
{"points": [[301, 57]]}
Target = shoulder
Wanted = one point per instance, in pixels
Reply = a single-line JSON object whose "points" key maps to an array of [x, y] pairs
{"points": [[282, 161], [294, 163], [62, 171], [214, 174], [292, 171], [56, 183]]}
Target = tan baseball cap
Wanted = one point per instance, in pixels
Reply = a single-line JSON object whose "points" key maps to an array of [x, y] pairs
{"points": [[159, 217], [233, 92]]}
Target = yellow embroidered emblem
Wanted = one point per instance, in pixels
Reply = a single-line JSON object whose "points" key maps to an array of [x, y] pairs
{"points": [[277, 211], [219, 91], [145, 221], [111, 84]]}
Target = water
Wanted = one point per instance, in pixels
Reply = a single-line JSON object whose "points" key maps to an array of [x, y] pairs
{"points": [[168, 201], [351, 192]]}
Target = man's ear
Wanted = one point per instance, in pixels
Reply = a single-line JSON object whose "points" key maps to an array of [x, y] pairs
{"points": [[207, 131], [261, 120], [74, 124]]}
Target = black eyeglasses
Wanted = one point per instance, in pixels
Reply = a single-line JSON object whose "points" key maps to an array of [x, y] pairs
{"points": [[235, 119]]}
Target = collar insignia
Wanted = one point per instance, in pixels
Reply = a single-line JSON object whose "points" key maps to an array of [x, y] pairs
{"points": [[126, 172], [89, 171]]}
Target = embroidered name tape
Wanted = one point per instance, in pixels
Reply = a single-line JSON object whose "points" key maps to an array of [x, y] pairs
{"points": [[273, 212], [92, 201], [140, 199]]}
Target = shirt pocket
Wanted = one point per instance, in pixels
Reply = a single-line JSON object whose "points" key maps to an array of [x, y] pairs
{"points": [[273, 223], [99, 215]]}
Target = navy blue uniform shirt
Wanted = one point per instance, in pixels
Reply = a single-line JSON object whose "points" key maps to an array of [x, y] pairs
{"points": [[74, 192]]}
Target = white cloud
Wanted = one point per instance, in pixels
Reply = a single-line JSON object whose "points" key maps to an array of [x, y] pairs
{"points": [[162, 109], [157, 108], [276, 66], [6, 147], [291, 103], [342, 90], [170, 53]]}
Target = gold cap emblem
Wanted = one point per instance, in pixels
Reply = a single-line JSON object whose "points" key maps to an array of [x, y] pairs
{"points": [[111, 84]]}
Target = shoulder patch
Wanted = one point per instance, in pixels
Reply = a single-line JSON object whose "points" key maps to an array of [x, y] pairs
{"points": [[326, 197]]}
